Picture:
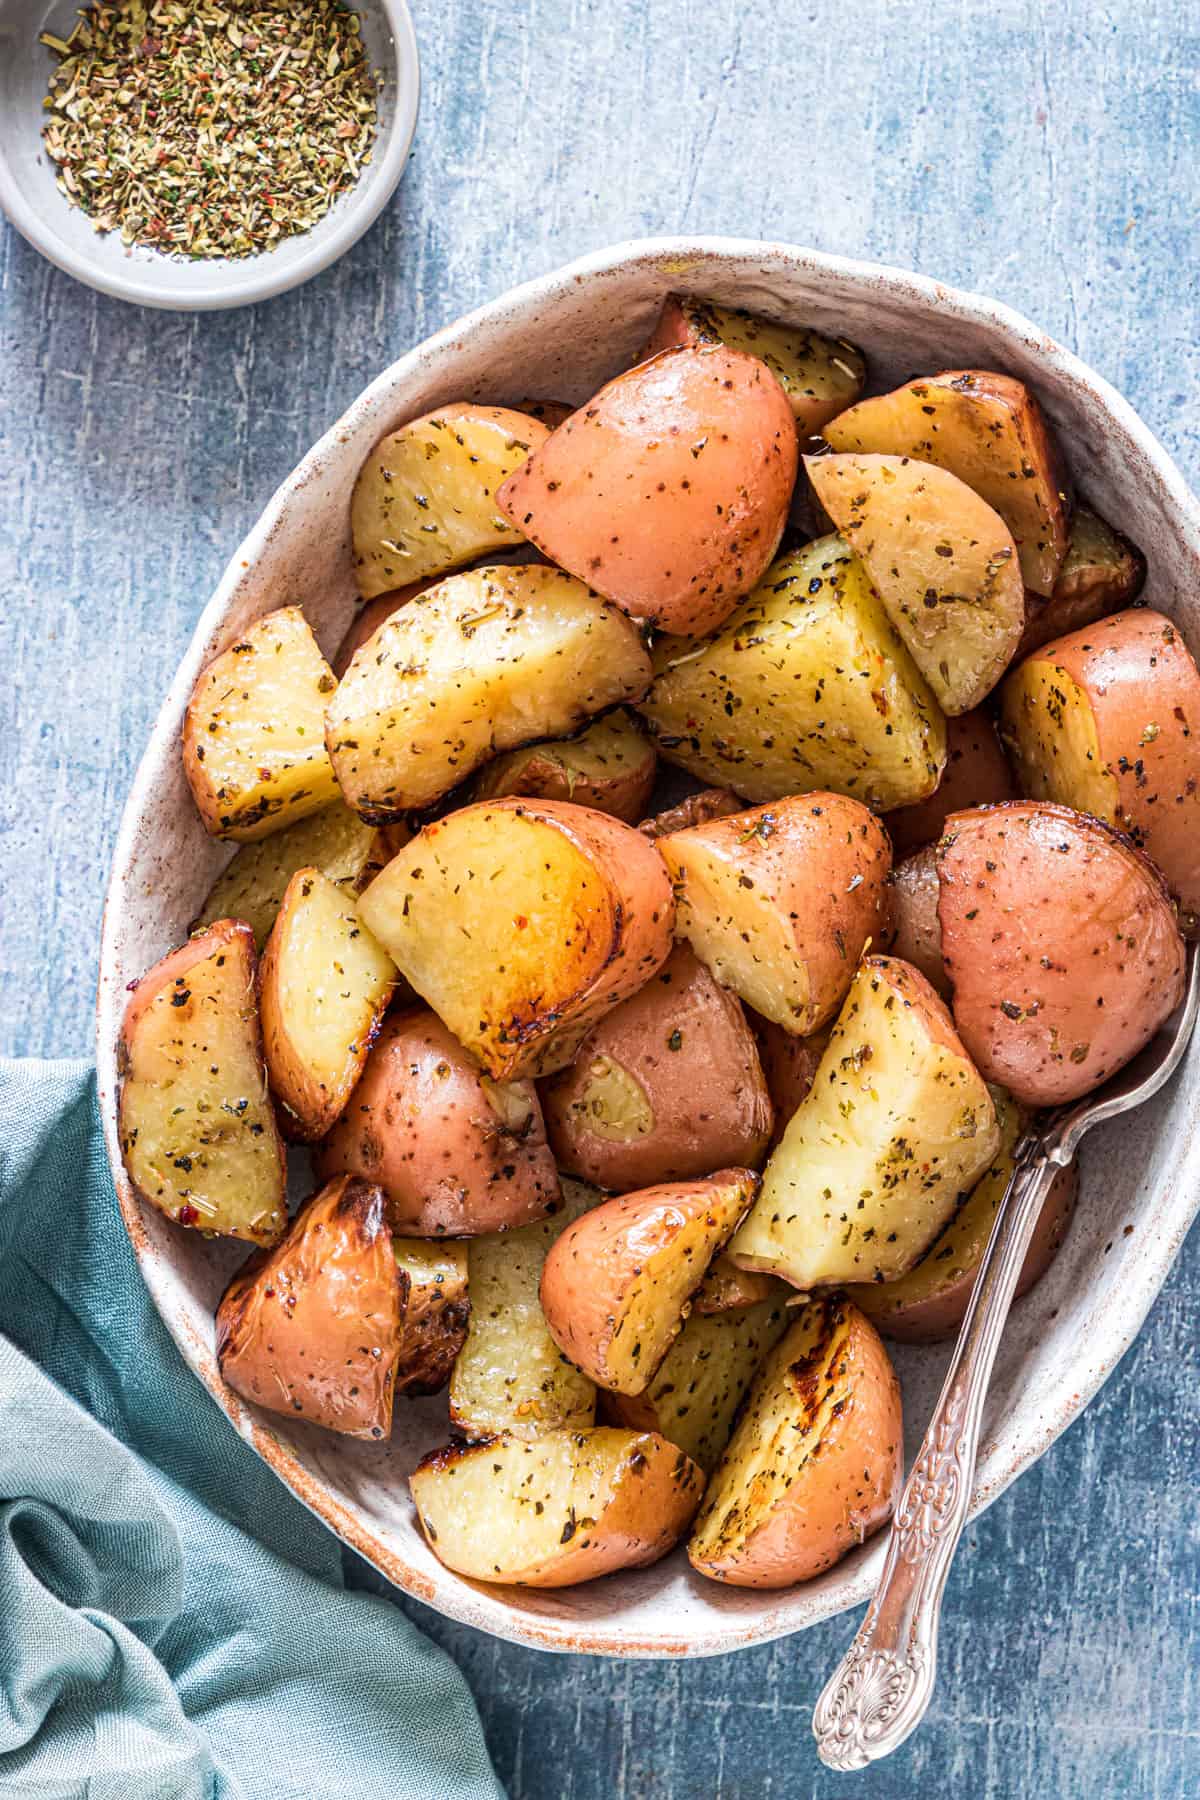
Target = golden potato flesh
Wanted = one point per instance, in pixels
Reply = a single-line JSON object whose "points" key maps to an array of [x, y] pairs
{"points": [[325, 984], [425, 499], [563, 1509], [898, 1124], [197, 1129], [942, 561], [483, 662], [434, 1314], [254, 731], [610, 767], [989, 431], [806, 685], [511, 1379], [334, 840]]}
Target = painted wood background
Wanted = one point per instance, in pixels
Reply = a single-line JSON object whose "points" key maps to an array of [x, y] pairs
{"points": [[1046, 155]]}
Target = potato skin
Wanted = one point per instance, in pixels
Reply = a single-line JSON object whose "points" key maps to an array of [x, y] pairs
{"points": [[976, 774], [453, 1155], [371, 615], [789, 1065], [832, 1472], [1137, 680], [434, 1315], [610, 767], [668, 492], [697, 809], [1044, 913], [679, 1064], [1101, 573], [916, 889], [312, 1327]]}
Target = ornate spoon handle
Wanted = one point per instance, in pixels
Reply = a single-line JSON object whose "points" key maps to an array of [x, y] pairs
{"points": [[879, 1693]]}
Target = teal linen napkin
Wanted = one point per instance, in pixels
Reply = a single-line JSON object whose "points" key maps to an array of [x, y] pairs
{"points": [[172, 1621]]}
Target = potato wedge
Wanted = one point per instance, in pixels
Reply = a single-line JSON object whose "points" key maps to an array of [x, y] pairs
{"points": [[551, 413], [482, 662], [434, 1314], [779, 902], [702, 1380], [897, 1126], [1101, 573], [697, 809], [371, 616], [976, 774], [254, 731], [929, 1302], [610, 767], [668, 492], [728, 1289], [511, 1379], [942, 561], [324, 987], [667, 1086], [1044, 914], [915, 892], [197, 1130], [455, 1153], [425, 499], [807, 685], [312, 1328], [560, 1510], [1107, 720], [989, 431], [334, 840], [616, 1284], [789, 1065], [815, 1464], [522, 923], [820, 375]]}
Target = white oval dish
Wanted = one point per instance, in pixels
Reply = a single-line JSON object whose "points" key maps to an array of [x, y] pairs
{"points": [[559, 338]]}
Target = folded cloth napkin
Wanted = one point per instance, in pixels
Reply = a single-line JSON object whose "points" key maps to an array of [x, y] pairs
{"points": [[172, 1622]]}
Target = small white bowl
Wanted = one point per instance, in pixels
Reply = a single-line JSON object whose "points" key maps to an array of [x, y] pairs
{"points": [[66, 236]]}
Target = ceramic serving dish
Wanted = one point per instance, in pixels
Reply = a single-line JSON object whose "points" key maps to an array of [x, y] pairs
{"points": [[560, 337]]}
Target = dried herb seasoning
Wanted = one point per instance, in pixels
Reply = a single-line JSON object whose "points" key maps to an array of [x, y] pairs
{"points": [[205, 129]]}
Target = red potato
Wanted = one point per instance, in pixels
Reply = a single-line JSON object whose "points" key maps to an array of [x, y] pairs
{"points": [[780, 901], [815, 1464], [1108, 721], [697, 809], [549, 413], [976, 774], [1101, 573], [616, 1285], [668, 1086], [728, 1289], [789, 1065], [918, 940], [312, 1328], [370, 616], [1061, 944], [610, 767], [668, 492], [455, 1153]]}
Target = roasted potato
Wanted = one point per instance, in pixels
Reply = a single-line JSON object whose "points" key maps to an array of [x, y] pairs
{"points": [[728, 1289], [522, 923], [976, 774], [324, 986], [820, 375], [313, 1326], [667, 1086], [942, 561], [511, 1379], [668, 492], [918, 931], [565, 1508], [789, 1065], [815, 1464], [455, 1153], [335, 841], [371, 616], [898, 1124], [1061, 945], [425, 499], [779, 902], [551, 413], [1101, 573], [483, 662], [697, 809], [703, 1379], [929, 1302], [609, 767], [616, 1284], [1108, 721], [807, 685], [989, 431], [254, 731], [434, 1312], [197, 1129]]}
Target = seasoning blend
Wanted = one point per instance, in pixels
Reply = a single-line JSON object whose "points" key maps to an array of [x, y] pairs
{"points": [[210, 130]]}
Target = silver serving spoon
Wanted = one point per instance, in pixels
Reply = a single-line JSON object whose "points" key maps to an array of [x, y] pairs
{"points": [[880, 1691]]}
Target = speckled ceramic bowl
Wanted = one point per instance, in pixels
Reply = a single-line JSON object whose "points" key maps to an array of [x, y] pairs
{"points": [[561, 337]]}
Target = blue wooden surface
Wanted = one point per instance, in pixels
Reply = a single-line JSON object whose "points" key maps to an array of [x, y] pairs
{"points": [[1043, 154]]}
